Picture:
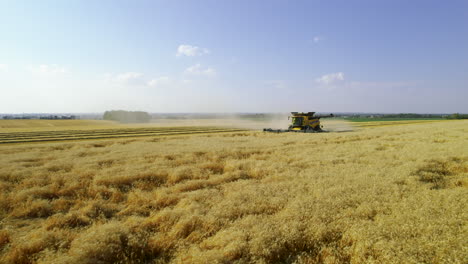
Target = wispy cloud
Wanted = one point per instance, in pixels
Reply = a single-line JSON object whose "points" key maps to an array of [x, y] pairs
{"points": [[317, 39], [189, 50], [52, 69], [129, 77], [383, 85], [198, 69], [331, 78], [276, 84], [126, 78], [337, 80], [138, 79], [4, 67], [164, 80]]}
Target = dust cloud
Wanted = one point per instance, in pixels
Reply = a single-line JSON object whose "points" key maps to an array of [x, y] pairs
{"points": [[336, 125], [275, 121], [231, 121]]}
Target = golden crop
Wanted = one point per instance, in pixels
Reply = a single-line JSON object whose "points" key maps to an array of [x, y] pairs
{"points": [[20, 125], [392, 194]]}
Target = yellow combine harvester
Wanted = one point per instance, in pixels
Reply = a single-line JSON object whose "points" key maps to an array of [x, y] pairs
{"points": [[302, 122]]}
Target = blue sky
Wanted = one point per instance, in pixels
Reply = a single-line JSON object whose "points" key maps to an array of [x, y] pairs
{"points": [[233, 56]]}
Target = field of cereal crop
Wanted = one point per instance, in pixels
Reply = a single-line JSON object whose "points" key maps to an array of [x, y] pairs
{"points": [[371, 194]]}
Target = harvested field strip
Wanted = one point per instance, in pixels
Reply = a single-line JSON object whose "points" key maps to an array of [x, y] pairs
{"points": [[105, 132], [31, 140], [395, 123], [97, 134], [118, 130], [53, 137]]}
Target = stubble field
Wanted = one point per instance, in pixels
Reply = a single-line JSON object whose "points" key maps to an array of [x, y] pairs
{"points": [[389, 193]]}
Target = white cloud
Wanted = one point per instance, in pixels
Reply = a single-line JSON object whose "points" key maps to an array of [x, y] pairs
{"points": [[317, 39], [337, 80], [137, 79], [189, 50], [383, 85], [277, 84], [52, 69], [197, 69], [186, 81], [331, 79], [158, 81], [130, 78], [108, 77], [3, 67]]}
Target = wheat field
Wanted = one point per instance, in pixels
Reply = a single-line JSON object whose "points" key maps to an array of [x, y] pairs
{"points": [[378, 194], [29, 125]]}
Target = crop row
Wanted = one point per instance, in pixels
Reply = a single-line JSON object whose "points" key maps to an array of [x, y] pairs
{"points": [[393, 123], [47, 136], [109, 130]]}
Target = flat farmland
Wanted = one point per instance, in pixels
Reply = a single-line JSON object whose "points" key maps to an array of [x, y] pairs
{"points": [[29, 125], [359, 194], [29, 131], [45, 136], [393, 123]]}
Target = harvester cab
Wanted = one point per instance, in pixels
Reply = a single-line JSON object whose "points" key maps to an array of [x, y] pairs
{"points": [[302, 122]]}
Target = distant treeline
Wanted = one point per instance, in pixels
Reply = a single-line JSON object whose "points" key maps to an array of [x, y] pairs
{"points": [[457, 116], [403, 116], [127, 116], [49, 117], [410, 115]]}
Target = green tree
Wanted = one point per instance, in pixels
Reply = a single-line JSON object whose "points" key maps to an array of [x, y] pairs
{"points": [[127, 116]]}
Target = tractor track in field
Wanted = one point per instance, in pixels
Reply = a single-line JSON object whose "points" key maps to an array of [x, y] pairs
{"points": [[68, 135], [393, 123]]}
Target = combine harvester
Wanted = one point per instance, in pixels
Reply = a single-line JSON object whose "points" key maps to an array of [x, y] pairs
{"points": [[302, 122]]}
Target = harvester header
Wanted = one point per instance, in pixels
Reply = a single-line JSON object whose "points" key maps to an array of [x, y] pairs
{"points": [[306, 122]]}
